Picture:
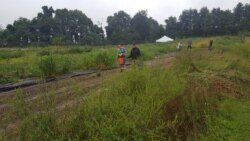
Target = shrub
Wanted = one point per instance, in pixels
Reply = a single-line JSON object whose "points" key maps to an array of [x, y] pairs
{"points": [[11, 54], [103, 60], [6, 79], [21, 72], [66, 65], [76, 50], [187, 113], [48, 66], [59, 40], [43, 53]]}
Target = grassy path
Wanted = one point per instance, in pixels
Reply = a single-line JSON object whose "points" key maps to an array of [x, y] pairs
{"points": [[67, 93]]}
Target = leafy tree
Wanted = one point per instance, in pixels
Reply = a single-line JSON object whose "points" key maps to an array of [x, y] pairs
{"points": [[189, 22], [22, 29], [247, 16], [63, 26], [160, 32], [141, 25], [51, 26], [227, 22], [119, 28], [77, 27], [44, 24], [47, 12], [205, 21], [155, 30], [171, 27], [1, 36], [239, 18], [18, 33]]}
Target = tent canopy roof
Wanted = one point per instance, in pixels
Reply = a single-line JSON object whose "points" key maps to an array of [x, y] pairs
{"points": [[164, 39]]}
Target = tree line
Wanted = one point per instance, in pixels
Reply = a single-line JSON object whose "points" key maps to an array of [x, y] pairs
{"points": [[63, 27], [209, 23], [59, 27]]}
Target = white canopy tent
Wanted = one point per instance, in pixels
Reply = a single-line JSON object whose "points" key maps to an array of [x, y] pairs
{"points": [[164, 39]]}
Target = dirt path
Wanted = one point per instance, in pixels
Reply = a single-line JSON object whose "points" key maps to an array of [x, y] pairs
{"points": [[65, 91]]}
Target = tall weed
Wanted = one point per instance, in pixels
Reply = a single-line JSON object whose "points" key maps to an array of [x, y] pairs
{"points": [[48, 66], [66, 65], [104, 60], [8, 54], [124, 107]]}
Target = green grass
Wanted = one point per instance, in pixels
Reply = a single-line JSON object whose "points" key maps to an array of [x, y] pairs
{"points": [[122, 110], [231, 123], [229, 60], [8, 54], [23, 63], [204, 95], [114, 113]]}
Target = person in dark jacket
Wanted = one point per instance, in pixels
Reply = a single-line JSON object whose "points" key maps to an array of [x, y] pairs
{"points": [[210, 45], [134, 54]]}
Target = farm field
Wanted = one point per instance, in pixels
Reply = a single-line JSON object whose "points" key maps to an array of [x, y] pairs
{"points": [[21, 63], [196, 94]]}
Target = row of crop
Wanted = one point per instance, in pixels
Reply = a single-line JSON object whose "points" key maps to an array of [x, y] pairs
{"points": [[18, 64]]}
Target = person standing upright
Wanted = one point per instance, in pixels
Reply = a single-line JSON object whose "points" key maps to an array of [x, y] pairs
{"points": [[121, 55], [179, 46], [210, 45], [135, 54], [189, 44]]}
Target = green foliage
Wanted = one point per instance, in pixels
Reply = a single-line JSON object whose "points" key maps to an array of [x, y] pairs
{"points": [[231, 123], [204, 22], [13, 72], [59, 40], [119, 28], [226, 61], [104, 60], [44, 53], [6, 79], [75, 50], [122, 28], [125, 107], [48, 29], [47, 66], [68, 59], [66, 65], [43, 124], [171, 28], [8, 54], [204, 95], [187, 113]]}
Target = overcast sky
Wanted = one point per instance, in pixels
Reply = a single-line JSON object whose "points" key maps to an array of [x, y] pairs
{"points": [[99, 10]]}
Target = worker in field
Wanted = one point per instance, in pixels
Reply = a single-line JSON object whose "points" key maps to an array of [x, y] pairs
{"points": [[135, 54], [121, 51], [189, 44], [210, 45], [179, 46]]}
